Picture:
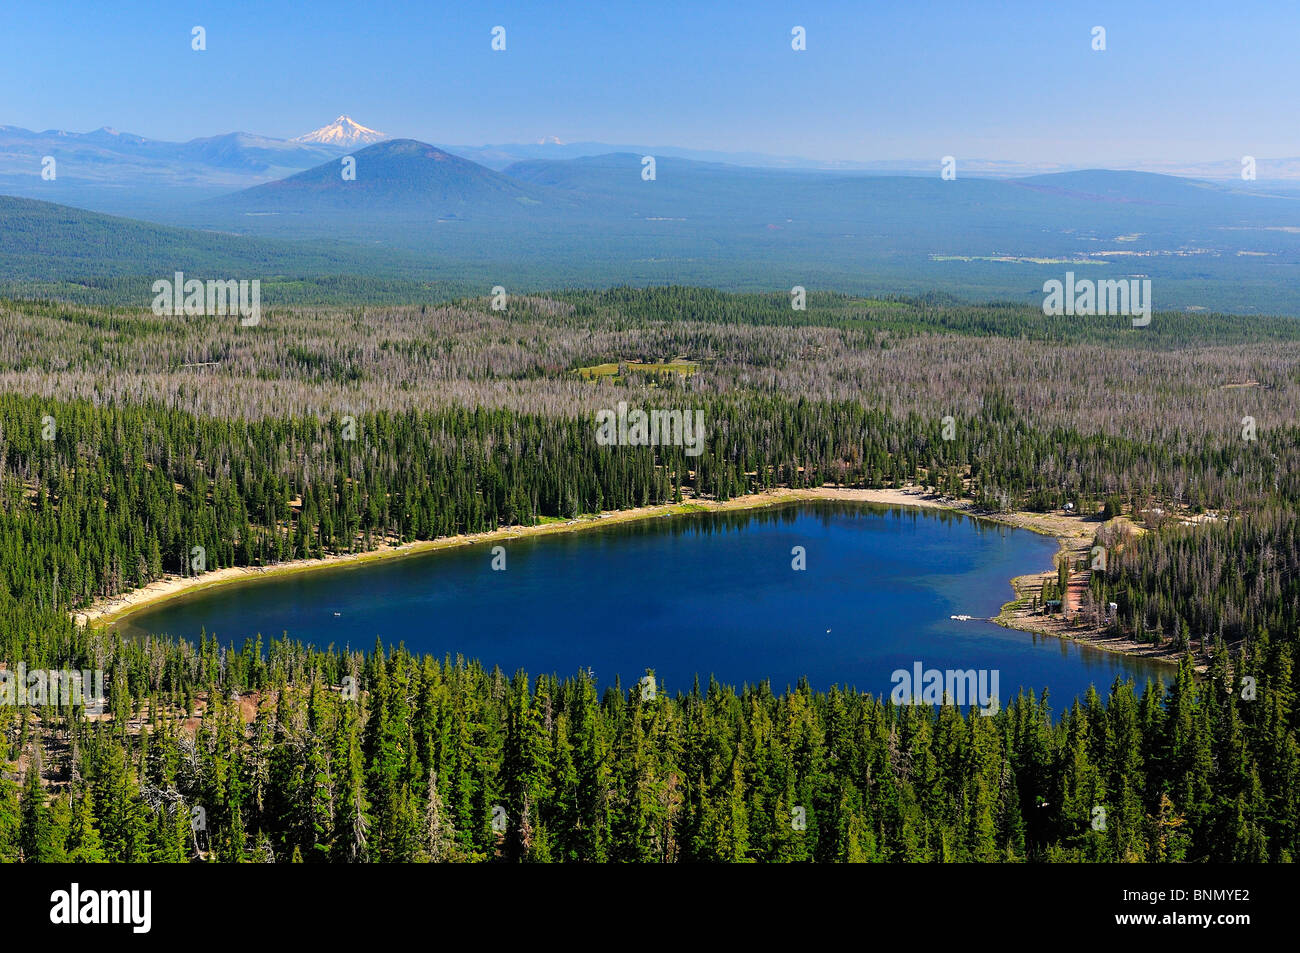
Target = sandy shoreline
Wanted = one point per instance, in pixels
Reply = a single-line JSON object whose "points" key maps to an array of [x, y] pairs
{"points": [[1073, 532], [105, 611]]}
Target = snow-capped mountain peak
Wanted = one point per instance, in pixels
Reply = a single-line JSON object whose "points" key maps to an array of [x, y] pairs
{"points": [[343, 132]]}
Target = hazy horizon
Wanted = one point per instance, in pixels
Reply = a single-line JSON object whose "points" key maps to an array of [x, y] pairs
{"points": [[1118, 164], [1016, 84]]}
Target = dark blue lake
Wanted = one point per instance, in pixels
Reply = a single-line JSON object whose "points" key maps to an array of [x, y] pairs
{"points": [[686, 595]]}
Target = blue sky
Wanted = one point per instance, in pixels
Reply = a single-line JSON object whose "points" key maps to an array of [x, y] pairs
{"points": [[1180, 80]]}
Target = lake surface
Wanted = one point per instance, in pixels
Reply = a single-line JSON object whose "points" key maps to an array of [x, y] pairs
{"points": [[708, 593]]}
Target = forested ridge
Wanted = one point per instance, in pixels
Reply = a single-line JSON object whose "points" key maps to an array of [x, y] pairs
{"points": [[325, 433]]}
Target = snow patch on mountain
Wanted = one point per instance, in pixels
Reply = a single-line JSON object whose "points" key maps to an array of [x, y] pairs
{"points": [[343, 131]]}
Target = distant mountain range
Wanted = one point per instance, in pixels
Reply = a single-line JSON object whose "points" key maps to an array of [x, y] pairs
{"points": [[121, 172], [1090, 213], [410, 209], [501, 156]]}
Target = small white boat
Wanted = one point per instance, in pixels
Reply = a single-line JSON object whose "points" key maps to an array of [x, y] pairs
{"points": [[961, 618]]}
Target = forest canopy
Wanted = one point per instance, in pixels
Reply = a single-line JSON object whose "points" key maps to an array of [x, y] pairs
{"points": [[335, 430]]}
